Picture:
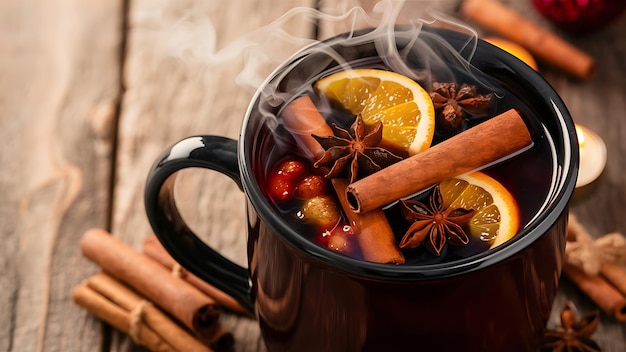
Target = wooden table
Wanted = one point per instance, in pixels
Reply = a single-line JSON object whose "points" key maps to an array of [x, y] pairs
{"points": [[91, 92]]}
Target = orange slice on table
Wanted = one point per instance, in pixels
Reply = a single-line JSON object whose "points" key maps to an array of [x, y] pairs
{"points": [[403, 106], [497, 214]]}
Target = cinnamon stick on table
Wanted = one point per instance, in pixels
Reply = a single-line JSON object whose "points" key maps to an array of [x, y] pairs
{"points": [[118, 318], [154, 318], [153, 249], [616, 275], [544, 45], [186, 303], [375, 236], [469, 150], [603, 294]]}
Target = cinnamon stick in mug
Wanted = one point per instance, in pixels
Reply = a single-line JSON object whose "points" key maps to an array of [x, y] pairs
{"points": [[546, 46], [469, 150], [375, 236], [186, 303], [375, 241]]}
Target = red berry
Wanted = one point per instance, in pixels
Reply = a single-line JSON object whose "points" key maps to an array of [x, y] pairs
{"points": [[340, 239], [323, 237], [311, 186], [292, 170], [283, 179], [280, 188]]}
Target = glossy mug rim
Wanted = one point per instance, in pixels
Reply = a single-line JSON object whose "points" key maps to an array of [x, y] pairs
{"points": [[560, 195]]}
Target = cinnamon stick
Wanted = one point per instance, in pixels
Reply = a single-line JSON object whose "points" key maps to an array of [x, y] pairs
{"points": [[375, 237], [543, 44], [176, 296], [118, 318], [302, 119], [469, 150], [220, 340], [604, 295], [162, 325], [616, 275], [154, 250]]}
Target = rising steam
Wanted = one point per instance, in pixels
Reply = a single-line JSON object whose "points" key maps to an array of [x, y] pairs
{"points": [[191, 35], [396, 29]]}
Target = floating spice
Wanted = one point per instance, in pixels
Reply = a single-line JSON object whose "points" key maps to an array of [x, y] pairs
{"points": [[438, 225], [450, 102], [375, 238], [355, 152]]}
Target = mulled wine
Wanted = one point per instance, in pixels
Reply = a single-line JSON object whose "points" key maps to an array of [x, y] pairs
{"points": [[299, 184]]}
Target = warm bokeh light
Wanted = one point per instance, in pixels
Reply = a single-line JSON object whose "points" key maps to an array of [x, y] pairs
{"points": [[592, 155]]}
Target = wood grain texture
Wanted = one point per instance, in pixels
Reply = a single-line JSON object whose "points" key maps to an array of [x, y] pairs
{"points": [[59, 87], [181, 70]]}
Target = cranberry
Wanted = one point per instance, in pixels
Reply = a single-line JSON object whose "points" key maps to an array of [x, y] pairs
{"points": [[311, 186], [292, 170], [280, 187], [284, 178], [340, 239]]}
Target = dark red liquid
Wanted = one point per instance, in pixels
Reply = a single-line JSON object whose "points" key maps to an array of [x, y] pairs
{"points": [[528, 176]]}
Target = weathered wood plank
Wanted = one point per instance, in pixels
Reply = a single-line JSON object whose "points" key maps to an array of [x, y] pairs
{"points": [[59, 85], [176, 87]]}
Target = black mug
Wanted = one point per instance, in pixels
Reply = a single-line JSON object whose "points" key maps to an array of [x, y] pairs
{"points": [[307, 298]]}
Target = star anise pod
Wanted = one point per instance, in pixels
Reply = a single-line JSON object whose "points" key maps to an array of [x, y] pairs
{"points": [[439, 225], [449, 103], [355, 152], [572, 335]]}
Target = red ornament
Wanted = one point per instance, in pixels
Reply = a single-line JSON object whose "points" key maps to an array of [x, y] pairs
{"points": [[580, 16]]}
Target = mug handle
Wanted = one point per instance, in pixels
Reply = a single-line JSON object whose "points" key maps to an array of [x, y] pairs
{"points": [[214, 153]]}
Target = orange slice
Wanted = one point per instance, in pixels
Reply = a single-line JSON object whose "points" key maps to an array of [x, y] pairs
{"points": [[514, 49], [497, 214], [403, 106]]}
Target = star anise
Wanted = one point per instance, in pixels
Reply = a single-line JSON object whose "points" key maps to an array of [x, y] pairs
{"points": [[572, 335], [439, 225], [449, 103], [355, 152]]}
